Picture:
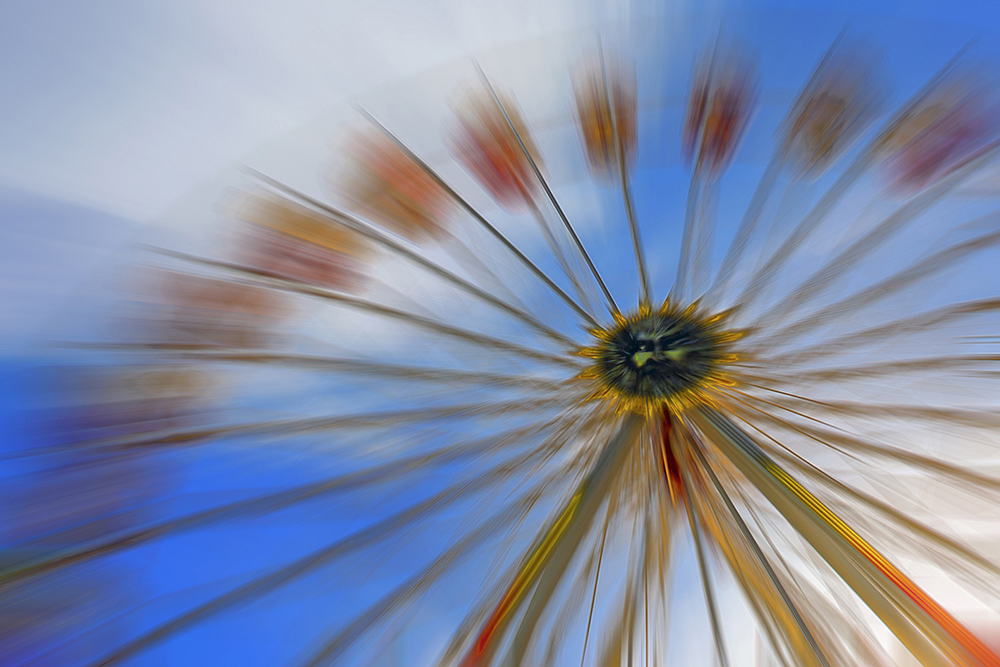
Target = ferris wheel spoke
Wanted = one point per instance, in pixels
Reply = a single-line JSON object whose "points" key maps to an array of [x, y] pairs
{"points": [[370, 232], [880, 234], [478, 217], [368, 306], [929, 631], [548, 191]]}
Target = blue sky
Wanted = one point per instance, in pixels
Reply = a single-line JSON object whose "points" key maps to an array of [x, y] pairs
{"points": [[114, 116], [125, 110]]}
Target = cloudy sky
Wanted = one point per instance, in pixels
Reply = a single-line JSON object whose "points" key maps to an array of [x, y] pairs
{"points": [[113, 113], [126, 106], [123, 108]]}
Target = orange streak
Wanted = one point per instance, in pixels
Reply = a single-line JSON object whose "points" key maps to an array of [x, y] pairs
{"points": [[671, 467], [522, 581], [948, 623]]}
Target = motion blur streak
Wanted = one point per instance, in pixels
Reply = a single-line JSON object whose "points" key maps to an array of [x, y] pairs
{"points": [[523, 335]]}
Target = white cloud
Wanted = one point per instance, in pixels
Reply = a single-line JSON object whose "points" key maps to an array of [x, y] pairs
{"points": [[127, 108]]}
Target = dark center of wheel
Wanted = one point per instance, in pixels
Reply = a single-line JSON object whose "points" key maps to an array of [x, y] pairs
{"points": [[658, 357]]}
